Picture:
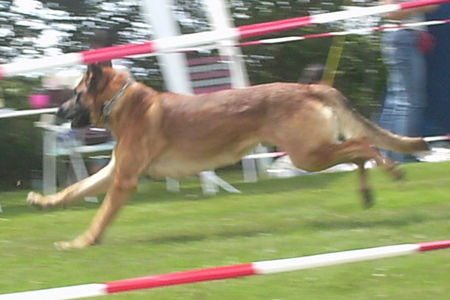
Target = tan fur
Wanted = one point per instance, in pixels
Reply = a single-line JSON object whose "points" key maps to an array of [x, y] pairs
{"points": [[166, 134]]}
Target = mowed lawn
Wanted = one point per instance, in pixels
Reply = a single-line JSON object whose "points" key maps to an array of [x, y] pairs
{"points": [[160, 232]]}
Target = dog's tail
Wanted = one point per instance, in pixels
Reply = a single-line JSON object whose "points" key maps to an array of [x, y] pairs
{"points": [[352, 124]]}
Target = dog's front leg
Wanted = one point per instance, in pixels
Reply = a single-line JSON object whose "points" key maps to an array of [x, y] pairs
{"points": [[129, 164], [93, 185], [116, 197]]}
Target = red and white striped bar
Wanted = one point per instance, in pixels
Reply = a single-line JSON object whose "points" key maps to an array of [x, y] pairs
{"points": [[287, 24], [226, 272], [340, 33], [190, 40]]}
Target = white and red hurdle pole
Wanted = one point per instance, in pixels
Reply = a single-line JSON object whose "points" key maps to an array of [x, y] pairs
{"points": [[392, 27], [226, 272], [201, 38]]}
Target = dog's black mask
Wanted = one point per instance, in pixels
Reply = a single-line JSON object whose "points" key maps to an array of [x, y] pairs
{"points": [[74, 110]]}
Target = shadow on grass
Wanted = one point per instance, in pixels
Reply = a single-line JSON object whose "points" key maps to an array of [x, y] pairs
{"points": [[150, 191], [297, 225], [19, 206], [197, 237], [155, 191], [398, 221], [264, 186]]}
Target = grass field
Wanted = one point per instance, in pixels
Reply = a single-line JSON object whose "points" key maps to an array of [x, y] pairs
{"points": [[161, 232]]}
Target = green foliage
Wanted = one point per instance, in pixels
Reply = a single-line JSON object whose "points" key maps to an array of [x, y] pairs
{"points": [[15, 91], [20, 141], [20, 149], [361, 74]]}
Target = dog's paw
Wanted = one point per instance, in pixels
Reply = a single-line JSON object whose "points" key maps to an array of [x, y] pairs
{"points": [[368, 200], [401, 175], [68, 245], [78, 243], [34, 198], [398, 174], [40, 200]]}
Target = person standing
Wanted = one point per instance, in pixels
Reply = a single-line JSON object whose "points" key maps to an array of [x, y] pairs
{"points": [[403, 52]]}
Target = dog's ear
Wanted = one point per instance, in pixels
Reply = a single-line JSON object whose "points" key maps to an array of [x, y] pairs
{"points": [[107, 63], [95, 72]]}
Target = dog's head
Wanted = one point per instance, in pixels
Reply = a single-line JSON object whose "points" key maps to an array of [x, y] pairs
{"points": [[99, 85]]}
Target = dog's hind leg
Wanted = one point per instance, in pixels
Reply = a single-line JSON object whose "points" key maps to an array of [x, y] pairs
{"points": [[357, 150], [365, 189], [311, 141], [93, 185]]}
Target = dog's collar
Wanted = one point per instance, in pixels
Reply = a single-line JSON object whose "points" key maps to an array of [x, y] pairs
{"points": [[108, 105]]}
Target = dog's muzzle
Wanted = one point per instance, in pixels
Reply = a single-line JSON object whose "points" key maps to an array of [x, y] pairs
{"points": [[76, 112]]}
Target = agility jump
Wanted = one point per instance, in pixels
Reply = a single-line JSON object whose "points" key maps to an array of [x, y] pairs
{"points": [[341, 33], [227, 272], [20, 113], [196, 39]]}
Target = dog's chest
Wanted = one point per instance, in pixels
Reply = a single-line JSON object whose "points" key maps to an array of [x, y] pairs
{"points": [[180, 162], [176, 166]]}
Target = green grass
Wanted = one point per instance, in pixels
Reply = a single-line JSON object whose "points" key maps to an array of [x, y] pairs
{"points": [[160, 232]]}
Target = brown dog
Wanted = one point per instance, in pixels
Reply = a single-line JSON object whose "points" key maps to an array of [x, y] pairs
{"points": [[173, 135]]}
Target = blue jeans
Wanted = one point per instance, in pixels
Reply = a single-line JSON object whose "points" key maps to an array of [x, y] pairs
{"points": [[405, 102]]}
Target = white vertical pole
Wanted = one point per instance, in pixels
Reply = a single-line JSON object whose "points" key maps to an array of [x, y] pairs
{"points": [[249, 167], [220, 18], [158, 14], [80, 170], [49, 162], [174, 67]]}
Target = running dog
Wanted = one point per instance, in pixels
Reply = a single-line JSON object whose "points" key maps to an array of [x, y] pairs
{"points": [[172, 135]]}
